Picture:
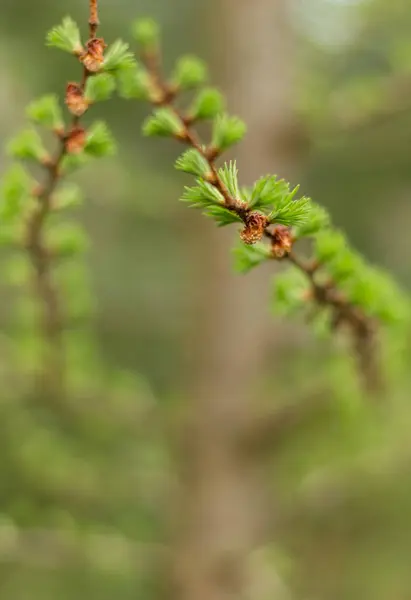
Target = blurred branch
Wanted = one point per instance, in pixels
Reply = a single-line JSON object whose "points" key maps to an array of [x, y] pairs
{"points": [[71, 140]]}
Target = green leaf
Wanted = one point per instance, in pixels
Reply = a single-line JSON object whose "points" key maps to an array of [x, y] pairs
{"points": [[136, 83], [65, 37], [222, 215], [291, 212], [99, 87], [66, 240], [247, 257], [276, 195], [118, 57], [67, 195], [229, 176], [164, 123], [46, 111], [147, 33], [190, 72], [15, 190], [328, 244], [289, 291], [269, 191], [245, 194], [28, 145], [202, 195], [99, 141], [73, 162], [317, 220], [207, 105], [378, 296], [191, 161], [227, 131], [345, 265]]}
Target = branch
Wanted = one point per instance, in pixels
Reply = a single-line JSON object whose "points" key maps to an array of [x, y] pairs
{"points": [[70, 140], [257, 225], [361, 327], [356, 296]]}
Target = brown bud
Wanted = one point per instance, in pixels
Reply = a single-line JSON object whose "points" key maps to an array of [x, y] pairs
{"points": [[93, 57], [76, 140], [75, 100], [281, 241], [254, 228]]}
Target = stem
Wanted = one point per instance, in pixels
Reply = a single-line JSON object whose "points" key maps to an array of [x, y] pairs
{"points": [[93, 20], [52, 321], [152, 63], [361, 326]]}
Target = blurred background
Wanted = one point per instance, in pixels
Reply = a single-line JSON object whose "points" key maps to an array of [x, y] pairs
{"points": [[209, 451]]}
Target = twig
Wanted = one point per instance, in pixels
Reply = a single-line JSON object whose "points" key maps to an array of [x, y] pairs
{"points": [[257, 225], [40, 256], [362, 327]]}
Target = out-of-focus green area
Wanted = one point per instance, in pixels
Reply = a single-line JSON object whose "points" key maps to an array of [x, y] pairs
{"points": [[89, 486]]}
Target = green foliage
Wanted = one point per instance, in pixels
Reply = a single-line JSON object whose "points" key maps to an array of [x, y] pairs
{"points": [[270, 190], [206, 197], [375, 292], [16, 187], [317, 220], [229, 176], [289, 292], [135, 83], [28, 145], [329, 243], [163, 123], [65, 37], [345, 265], [73, 162], [99, 141], [194, 163], [222, 216], [274, 197], [202, 195], [99, 87], [68, 195], [190, 72], [146, 32], [247, 257], [118, 57], [66, 240], [207, 104], [46, 111], [227, 131], [290, 212]]}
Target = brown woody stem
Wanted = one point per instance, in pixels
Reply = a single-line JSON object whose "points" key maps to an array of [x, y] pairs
{"points": [[41, 258], [361, 326]]}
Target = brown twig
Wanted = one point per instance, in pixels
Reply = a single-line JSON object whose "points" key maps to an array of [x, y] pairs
{"points": [[362, 327], [40, 256], [257, 225]]}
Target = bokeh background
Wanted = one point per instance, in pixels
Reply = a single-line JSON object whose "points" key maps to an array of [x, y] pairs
{"points": [[138, 486]]}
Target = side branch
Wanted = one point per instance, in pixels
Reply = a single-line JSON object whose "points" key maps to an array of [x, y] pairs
{"points": [[68, 140]]}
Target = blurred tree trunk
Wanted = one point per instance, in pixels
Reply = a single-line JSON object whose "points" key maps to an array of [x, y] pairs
{"points": [[222, 504]]}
